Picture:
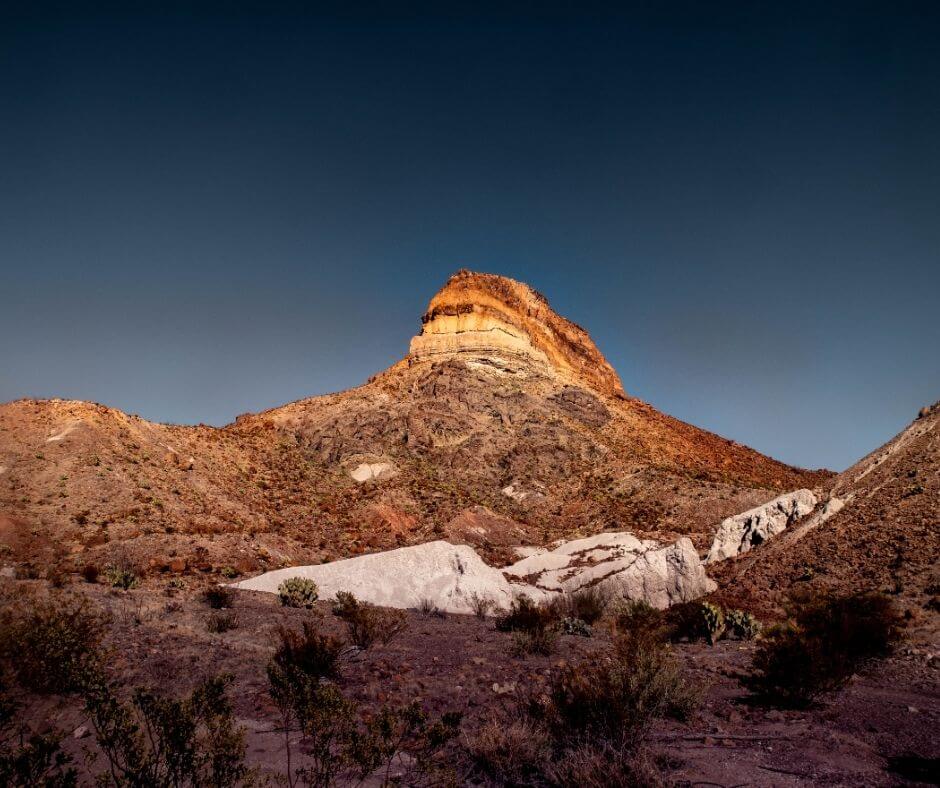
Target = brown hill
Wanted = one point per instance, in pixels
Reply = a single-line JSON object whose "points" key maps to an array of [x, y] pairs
{"points": [[885, 537], [504, 425]]}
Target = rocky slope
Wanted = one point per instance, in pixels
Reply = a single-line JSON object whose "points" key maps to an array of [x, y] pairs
{"points": [[878, 530], [503, 426]]}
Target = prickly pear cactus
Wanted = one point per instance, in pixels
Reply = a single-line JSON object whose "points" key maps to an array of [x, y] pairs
{"points": [[714, 619], [742, 624]]}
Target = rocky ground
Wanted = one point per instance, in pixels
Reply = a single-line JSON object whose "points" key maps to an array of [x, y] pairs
{"points": [[877, 731]]}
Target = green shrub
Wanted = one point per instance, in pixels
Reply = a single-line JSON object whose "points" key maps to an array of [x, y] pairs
{"points": [[297, 592], [120, 576], [52, 643], [155, 741], [824, 642]]}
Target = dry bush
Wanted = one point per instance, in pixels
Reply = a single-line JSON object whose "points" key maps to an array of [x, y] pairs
{"points": [[637, 617], [481, 604], [52, 642], [590, 765], [222, 621], [536, 641], [120, 575], [588, 603], [825, 641], [90, 573], [524, 615], [615, 697], [509, 752], [309, 652], [367, 623], [218, 597]]}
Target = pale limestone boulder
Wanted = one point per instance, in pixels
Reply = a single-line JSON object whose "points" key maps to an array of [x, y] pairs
{"points": [[373, 472], [641, 569], [444, 574], [740, 533]]}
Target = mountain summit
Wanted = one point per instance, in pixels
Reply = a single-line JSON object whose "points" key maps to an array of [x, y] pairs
{"points": [[485, 313]]}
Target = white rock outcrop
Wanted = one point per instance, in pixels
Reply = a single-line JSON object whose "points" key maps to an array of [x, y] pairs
{"points": [[741, 532], [449, 575], [373, 472], [661, 575], [440, 572]]}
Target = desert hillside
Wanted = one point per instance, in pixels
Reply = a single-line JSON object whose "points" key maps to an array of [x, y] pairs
{"points": [[504, 425]]}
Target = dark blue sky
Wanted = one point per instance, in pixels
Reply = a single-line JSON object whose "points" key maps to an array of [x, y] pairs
{"points": [[213, 211]]}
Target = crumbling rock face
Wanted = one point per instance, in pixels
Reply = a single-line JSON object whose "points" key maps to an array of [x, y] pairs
{"points": [[486, 313], [641, 569], [740, 533]]}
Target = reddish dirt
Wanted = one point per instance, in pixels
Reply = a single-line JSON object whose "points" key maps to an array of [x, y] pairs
{"points": [[453, 663]]}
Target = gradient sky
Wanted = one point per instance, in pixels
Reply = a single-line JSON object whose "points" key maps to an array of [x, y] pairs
{"points": [[214, 211]]}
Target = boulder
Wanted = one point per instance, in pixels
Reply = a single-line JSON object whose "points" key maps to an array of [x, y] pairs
{"points": [[642, 569], [741, 532], [373, 472], [439, 572]]}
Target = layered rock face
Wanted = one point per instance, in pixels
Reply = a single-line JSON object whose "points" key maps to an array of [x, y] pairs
{"points": [[740, 533], [484, 313]]}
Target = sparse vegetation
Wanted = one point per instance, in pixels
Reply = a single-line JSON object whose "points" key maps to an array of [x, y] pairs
{"points": [[218, 597], [90, 573], [308, 652], [825, 640], [367, 623], [588, 604], [222, 621], [52, 643], [298, 592], [481, 604], [155, 741], [121, 576]]}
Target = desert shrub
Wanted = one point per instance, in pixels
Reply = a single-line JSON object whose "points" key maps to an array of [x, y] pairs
{"points": [[222, 621], [52, 643], [536, 641], [90, 573], [228, 572], [636, 616], [527, 616], [297, 592], [713, 622], [28, 758], [588, 603], [156, 741], [510, 752], [337, 744], [309, 652], [614, 698], [481, 604], [218, 597], [427, 608], [576, 626], [742, 625], [593, 765], [57, 576], [120, 576], [368, 623], [825, 640]]}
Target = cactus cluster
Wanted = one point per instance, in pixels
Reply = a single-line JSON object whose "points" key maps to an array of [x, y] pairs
{"points": [[576, 626], [297, 592], [743, 625], [713, 618]]}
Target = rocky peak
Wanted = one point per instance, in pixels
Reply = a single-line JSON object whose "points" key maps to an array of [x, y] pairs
{"points": [[489, 314]]}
